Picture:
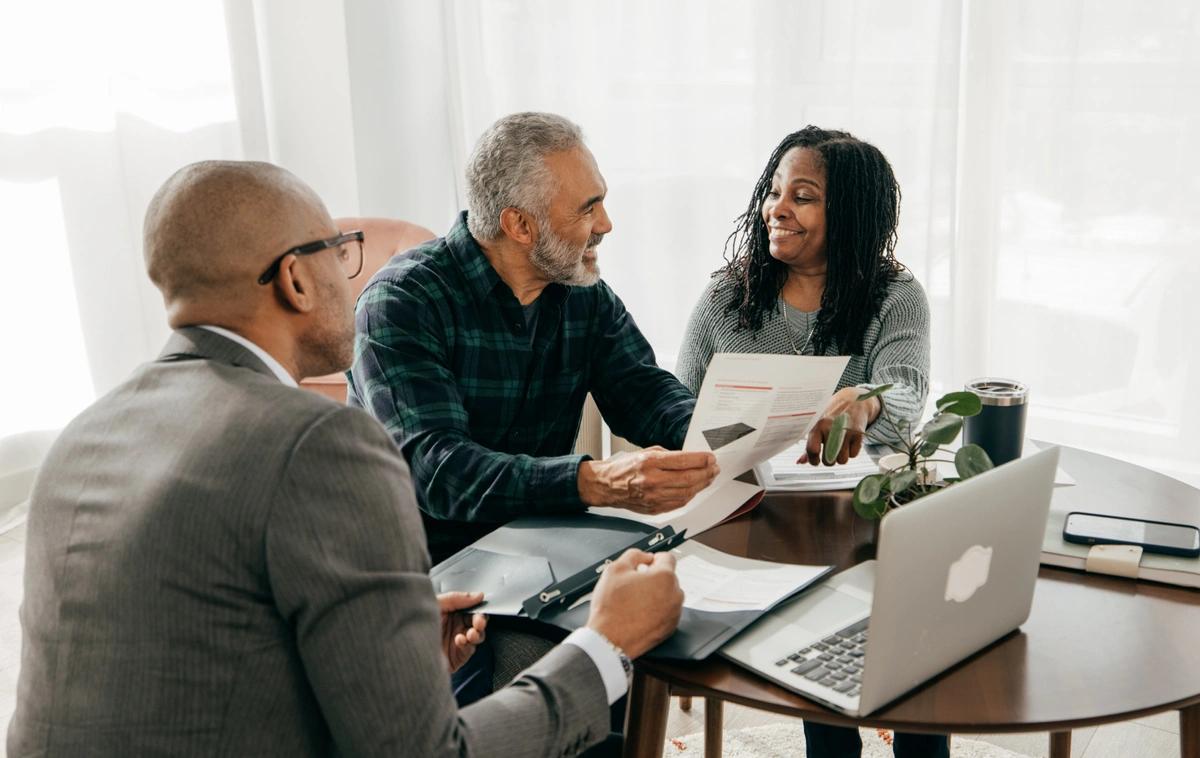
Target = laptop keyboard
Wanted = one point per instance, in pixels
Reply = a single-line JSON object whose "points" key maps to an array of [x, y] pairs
{"points": [[834, 662]]}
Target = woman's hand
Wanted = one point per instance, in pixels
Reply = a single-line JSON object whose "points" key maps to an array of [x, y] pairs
{"points": [[859, 413]]}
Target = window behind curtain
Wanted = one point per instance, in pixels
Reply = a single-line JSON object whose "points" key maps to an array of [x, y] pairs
{"points": [[99, 103], [1047, 154]]}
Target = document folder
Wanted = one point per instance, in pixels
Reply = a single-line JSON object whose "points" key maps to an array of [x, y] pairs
{"points": [[566, 544], [574, 544], [563, 594]]}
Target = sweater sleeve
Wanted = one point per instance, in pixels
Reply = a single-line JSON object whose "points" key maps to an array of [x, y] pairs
{"points": [[900, 357], [698, 346]]}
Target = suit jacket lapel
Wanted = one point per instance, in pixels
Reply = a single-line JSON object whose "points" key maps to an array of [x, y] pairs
{"points": [[192, 342]]}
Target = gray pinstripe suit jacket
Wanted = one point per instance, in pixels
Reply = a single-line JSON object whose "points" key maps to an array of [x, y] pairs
{"points": [[219, 564]]}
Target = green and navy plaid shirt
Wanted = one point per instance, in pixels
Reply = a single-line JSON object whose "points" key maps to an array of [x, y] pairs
{"points": [[486, 417]]}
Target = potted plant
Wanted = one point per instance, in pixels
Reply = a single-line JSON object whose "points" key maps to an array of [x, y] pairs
{"points": [[896, 485]]}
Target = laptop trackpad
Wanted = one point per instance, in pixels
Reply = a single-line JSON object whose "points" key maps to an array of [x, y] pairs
{"points": [[801, 621], [828, 611]]}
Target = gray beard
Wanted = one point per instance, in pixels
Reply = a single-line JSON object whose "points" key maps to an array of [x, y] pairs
{"points": [[555, 259]]}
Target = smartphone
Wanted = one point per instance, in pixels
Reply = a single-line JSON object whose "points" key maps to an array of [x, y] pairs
{"points": [[1153, 536]]}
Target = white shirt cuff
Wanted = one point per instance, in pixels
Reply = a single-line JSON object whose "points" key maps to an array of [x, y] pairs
{"points": [[605, 657]]}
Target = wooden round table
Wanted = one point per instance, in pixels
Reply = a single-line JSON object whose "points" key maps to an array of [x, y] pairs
{"points": [[1095, 649]]}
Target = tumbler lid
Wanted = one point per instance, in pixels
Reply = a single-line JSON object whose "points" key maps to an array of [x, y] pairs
{"points": [[993, 391]]}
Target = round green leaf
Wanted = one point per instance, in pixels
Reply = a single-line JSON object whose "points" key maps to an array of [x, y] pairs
{"points": [[871, 511], [960, 403], [928, 449], [875, 392], [941, 429], [902, 481], [875, 507], [971, 460], [869, 489], [837, 435]]}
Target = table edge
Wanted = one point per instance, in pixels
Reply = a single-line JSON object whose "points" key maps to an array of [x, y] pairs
{"points": [[879, 719]]}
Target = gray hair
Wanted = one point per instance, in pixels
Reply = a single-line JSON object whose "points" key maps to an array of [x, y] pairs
{"points": [[507, 168]]}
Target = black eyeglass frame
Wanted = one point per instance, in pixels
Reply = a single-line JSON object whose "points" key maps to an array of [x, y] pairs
{"points": [[308, 248]]}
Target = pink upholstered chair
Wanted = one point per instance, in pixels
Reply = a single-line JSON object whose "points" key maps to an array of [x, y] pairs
{"points": [[382, 238]]}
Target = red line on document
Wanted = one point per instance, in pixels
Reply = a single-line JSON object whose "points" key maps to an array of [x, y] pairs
{"points": [[789, 415]]}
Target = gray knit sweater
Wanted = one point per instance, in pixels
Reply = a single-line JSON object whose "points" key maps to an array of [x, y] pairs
{"points": [[895, 347]]}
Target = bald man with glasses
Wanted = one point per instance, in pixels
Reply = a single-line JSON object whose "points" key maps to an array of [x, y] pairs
{"points": [[219, 563]]}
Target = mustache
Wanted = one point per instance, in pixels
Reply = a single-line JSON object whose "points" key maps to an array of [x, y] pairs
{"points": [[594, 240]]}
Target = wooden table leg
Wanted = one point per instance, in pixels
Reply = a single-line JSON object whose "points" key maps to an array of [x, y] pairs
{"points": [[646, 718], [714, 722], [685, 703], [1060, 745], [1189, 732]]}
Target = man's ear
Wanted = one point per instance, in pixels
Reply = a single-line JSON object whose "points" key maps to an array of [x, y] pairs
{"points": [[294, 286], [518, 226]]}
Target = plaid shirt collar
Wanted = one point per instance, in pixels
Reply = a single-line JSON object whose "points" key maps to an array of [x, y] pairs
{"points": [[477, 269]]}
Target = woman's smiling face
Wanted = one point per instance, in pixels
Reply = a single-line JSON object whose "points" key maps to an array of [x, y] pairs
{"points": [[794, 209]]}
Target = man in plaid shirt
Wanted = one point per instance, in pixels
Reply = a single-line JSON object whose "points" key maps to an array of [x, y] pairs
{"points": [[477, 350]]}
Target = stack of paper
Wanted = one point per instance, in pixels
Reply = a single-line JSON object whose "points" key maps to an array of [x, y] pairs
{"points": [[715, 581], [782, 473]]}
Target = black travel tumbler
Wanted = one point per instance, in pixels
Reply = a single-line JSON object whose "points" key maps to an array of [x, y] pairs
{"points": [[1000, 427]]}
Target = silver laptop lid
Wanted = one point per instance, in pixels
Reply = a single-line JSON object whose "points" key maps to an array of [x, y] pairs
{"points": [[956, 571]]}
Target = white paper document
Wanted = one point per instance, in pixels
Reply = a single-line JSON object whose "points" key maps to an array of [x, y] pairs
{"points": [[782, 474], [750, 408], [716, 581], [709, 507], [753, 406]]}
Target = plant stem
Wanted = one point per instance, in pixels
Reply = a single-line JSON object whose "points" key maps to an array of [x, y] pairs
{"points": [[887, 419]]}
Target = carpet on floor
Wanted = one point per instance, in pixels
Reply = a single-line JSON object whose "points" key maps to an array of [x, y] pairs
{"points": [[787, 739]]}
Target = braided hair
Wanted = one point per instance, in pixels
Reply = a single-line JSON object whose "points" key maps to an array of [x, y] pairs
{"points": [[862, 208]]}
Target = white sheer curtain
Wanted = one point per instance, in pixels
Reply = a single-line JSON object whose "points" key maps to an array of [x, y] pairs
{"points": [[1046, 153], [101, 102]]}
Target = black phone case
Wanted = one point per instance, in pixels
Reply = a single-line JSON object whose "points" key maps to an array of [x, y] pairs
{"points": [[1146, 546]]}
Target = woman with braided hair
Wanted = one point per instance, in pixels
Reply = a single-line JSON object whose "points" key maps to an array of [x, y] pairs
{"points": [[810, 270]]}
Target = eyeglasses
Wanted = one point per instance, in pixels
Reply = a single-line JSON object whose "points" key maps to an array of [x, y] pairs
{"points": [[350, 254]]}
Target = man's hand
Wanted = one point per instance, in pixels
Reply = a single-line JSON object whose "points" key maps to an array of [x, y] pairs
{"points": [[461, 632], [637, 602], [861, 414], [653, 480]]}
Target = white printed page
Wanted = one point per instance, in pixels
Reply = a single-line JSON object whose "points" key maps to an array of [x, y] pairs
{"points": [[716, 581], [753, 406], [750, 408], [709, 507], [783, 473]]}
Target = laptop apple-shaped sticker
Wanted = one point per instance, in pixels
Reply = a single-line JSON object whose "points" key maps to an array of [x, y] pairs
{"points": [[968, 573]]}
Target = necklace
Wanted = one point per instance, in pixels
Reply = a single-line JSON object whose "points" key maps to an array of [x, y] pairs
{"points": [[787, 324]]}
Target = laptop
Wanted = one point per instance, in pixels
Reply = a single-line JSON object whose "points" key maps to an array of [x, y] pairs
{"points": [[954, 572]]}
